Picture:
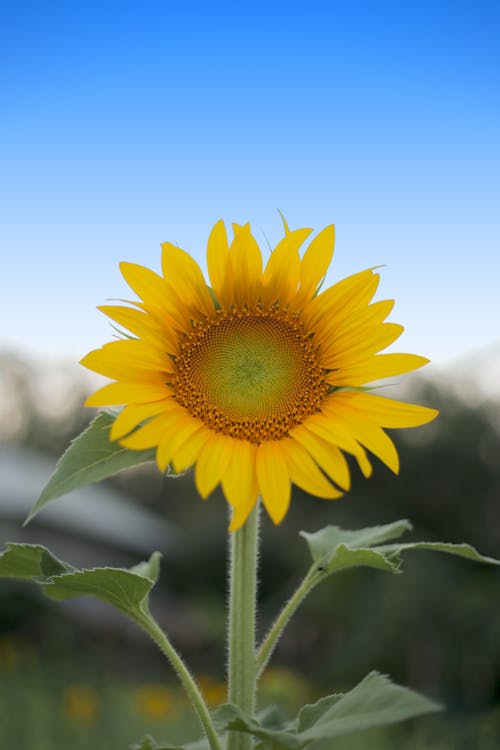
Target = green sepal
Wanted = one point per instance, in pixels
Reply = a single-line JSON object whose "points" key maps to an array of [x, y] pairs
{"points": [[126, 590], [333, 549], [90, 457]]}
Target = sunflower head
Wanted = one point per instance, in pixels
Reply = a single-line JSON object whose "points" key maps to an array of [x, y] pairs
{"points": [[256, 380]]}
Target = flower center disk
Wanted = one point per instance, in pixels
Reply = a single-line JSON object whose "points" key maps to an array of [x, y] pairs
{"points": [[251, 375]]}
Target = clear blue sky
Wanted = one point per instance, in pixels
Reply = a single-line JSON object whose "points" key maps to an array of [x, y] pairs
{"points": [[126, 124]]}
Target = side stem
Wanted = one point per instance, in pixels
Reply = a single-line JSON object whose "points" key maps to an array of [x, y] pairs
{"points": [[149, 624], [241, 635], [269, 643]]}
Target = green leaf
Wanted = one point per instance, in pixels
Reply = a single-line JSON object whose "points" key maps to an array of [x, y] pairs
{"points": [[344, 557], [123, 589], [324, 542], [375, 701], [31, 562], [333, 549], [310, 715], [460, 550], [91, 457], [126, 590]]}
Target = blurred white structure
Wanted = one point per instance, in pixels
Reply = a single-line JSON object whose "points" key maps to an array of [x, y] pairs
{"points": [[94, 521]]}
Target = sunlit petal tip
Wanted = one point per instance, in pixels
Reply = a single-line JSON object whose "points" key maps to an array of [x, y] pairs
{"points": [[365, 466], [286, 228], [162, 463], [88, 358], [237, 228], [273, 479], [217, 254], [238, 518]]}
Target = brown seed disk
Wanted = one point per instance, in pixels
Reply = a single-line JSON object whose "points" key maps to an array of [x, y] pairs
{"points": [[251, 374]]}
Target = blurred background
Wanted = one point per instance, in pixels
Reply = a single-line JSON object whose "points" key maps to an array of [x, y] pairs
{"points": [[126, 124]]}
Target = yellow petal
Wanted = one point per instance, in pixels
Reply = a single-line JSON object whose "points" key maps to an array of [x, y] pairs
{"points": [[374, 438], [239, 482], [153, 432], [127, 392], [145, 283], [133, 414], [338, 302], [364, 464], [184, 428], [376, 368], [305, 473], [325, 427], [212, 463], [316, 260], [153, 290], [286, 228], [386, 412], [359, 323], [245, 269], [273, 479], [129, 359], [183, 273], [240, 513], [217, 254], [325, 454], [363, 345], [189, 451], [143, 326], [282, 273]]}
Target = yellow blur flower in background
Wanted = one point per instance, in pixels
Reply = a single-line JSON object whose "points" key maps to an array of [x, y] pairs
{"points": [[214, 691], [81, 703], [155, 701], [255, 380]]}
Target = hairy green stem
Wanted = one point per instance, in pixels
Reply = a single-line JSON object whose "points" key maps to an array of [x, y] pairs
{"points": [[149, 624], [241, 631], [269, 643]]}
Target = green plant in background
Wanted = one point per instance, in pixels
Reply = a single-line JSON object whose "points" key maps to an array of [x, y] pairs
{"points": [[259, 381]]}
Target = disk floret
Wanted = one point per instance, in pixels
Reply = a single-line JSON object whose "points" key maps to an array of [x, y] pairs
{"points": [[250, 374]]}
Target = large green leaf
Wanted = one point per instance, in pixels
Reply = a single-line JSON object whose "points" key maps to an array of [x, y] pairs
{"points": [[333, 549], [90, 457], [126, 590], [376, 701]]}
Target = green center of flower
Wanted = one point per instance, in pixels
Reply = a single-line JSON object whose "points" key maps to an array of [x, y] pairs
{"points": [[249, 375]]}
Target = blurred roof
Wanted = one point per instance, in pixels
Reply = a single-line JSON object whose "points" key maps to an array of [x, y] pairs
{"points": [[99, 513]]}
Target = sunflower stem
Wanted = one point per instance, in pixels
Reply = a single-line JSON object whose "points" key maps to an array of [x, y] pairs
{"points": [[264, 653], [149, 624], [241, 635]]}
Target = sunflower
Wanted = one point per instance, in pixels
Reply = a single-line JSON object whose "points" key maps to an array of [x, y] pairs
{"points": [[256, 380]]}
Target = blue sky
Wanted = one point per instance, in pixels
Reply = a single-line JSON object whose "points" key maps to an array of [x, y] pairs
{"points": [[126, 124]]}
